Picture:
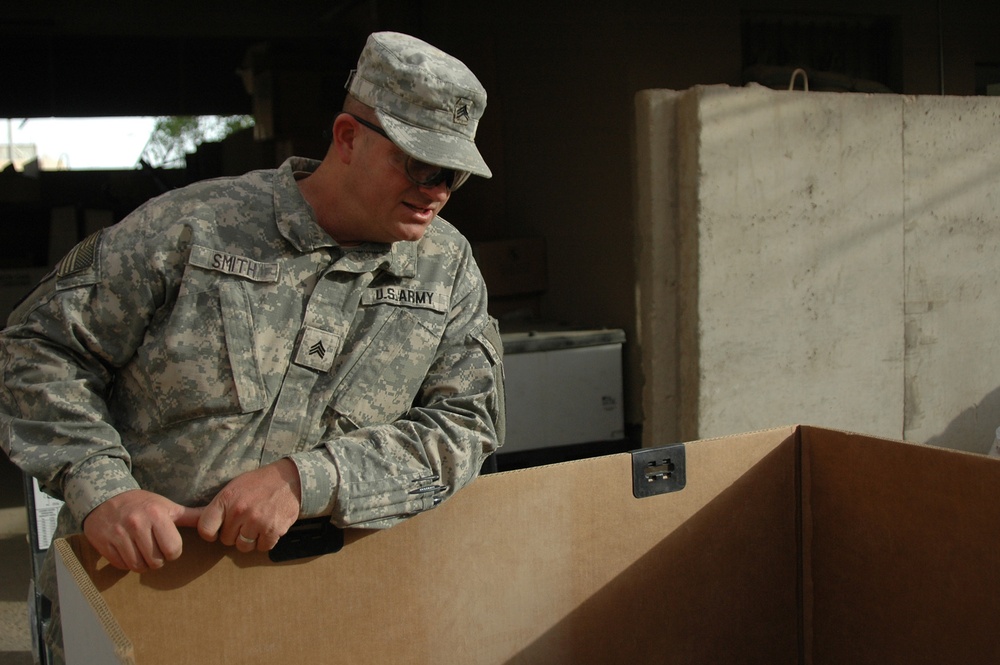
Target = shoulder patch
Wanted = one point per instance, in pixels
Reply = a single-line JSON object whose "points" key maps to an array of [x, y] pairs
{"points": [[81, 257]]}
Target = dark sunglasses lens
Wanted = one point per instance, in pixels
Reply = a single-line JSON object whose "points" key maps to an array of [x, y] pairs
{"points": [[427, 175], [458, 179]]}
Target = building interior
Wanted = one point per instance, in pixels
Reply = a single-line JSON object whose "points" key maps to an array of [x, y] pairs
{"points": [[558, 134]]}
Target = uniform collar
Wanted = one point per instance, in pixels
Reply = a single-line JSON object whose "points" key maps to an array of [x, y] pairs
{"points": [[295, 219], [297, 223], [399, 259]]}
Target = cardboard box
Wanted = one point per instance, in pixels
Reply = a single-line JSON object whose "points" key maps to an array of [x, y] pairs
{"points": [[795, 545]]}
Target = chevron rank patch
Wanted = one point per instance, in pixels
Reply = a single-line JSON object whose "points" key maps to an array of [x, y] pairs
{"points": [[317, 349]]}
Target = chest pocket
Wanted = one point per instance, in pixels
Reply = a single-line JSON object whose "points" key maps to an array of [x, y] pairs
{"points": [[204, 360], [391, 353]]}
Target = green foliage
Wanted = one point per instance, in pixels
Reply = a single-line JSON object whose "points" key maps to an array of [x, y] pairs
{"points": [[174, 137]]}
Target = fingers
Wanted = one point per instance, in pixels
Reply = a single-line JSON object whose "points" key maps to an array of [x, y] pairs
{"points": [[264, 541], [230, 526], [138, 530], [210, 521], [167, 544], [255, 509], [137, 554], [128, 529], [150, 547], [250, 535], [115, 558], [163, 541], [188, 517], [267, 540], [246, 543]]}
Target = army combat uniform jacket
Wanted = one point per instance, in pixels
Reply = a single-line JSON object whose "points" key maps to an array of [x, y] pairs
{"points": [[217, 329]]}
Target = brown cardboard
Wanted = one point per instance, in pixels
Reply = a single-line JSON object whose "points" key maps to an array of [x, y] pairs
{"points": [[795, 545], [903, 551]]}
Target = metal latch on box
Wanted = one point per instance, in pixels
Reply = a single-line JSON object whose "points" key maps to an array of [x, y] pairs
{"points": [[658, 470]]}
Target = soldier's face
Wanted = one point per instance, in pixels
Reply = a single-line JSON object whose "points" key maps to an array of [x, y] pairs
{"points": [[397, 208]]}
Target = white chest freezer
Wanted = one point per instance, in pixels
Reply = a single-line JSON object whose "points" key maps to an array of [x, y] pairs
{"points": [[564, 387]]}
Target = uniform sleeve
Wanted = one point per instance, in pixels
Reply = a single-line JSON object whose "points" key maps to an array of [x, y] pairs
{"points": [[377, 475], [57, 358]]}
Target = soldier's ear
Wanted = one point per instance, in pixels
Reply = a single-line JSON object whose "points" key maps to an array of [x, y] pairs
{"points": [[345, 136]]}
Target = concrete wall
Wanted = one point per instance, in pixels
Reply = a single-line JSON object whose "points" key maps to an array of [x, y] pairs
{"points": [[821, 258], [560, 134], [952, 269]]}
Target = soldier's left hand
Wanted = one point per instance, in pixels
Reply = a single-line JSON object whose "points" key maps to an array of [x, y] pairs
{"points": [[254, 509]]}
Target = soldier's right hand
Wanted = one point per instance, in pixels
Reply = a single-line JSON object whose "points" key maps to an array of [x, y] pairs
{"points": [[137, 530]]}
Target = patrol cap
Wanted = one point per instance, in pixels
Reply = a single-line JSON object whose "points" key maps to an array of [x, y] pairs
{"points": [[428, 102]]}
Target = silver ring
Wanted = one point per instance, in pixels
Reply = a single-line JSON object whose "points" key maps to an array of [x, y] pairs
{"points": [[248, 541]]}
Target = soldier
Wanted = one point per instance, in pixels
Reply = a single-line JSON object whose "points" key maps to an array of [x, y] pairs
{"points": [[292, 343]]}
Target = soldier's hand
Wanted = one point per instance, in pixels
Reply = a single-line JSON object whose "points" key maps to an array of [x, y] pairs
{"points": [[254, 509], [137, 530]]}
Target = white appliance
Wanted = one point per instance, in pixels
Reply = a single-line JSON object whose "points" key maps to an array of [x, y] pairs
{"points": [[563, 387]]}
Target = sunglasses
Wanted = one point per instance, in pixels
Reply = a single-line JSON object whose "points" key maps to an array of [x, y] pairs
{"points": [[421, 173]]}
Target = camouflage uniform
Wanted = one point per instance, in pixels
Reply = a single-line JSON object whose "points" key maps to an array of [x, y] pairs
{"points": [[217, 329]]}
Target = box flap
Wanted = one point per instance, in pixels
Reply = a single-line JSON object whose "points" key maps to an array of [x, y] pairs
{"points": [[902, 558], [93, 635], [556, 564], [797, 545]]}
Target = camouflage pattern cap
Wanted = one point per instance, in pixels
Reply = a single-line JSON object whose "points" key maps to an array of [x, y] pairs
{"points": [[428, 102]]}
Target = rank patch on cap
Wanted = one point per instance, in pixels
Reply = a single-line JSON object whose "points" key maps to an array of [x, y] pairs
{"points": [[462, 113]]}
